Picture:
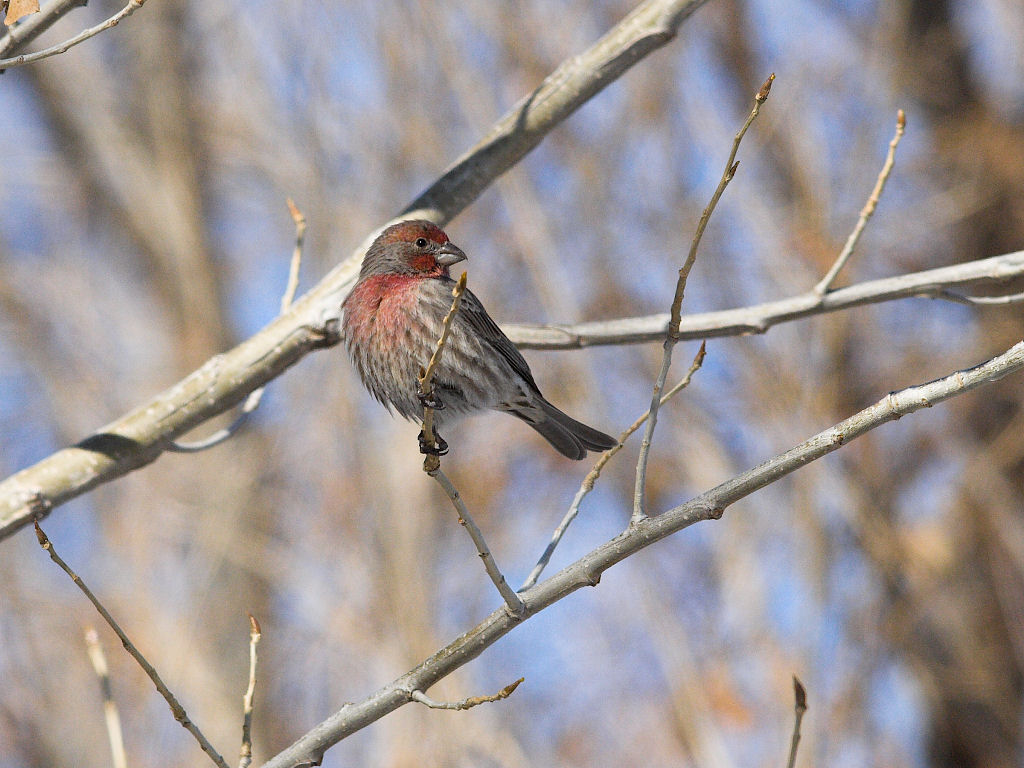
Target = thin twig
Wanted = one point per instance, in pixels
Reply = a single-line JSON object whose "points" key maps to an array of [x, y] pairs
{"points": [[113, 720], [588, 482], [467, 703], [959, 298], [512, 600], [81, 37], [799, 707], [252, 402], [176, 709], [640, 487], [869, 208], [254, 638], [293, 270], [432, 462]]}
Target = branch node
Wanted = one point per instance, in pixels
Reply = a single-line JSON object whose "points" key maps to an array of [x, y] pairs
{"points": [[799, 694], [39, 506]]}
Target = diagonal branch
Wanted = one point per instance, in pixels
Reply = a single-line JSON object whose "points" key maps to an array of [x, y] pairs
{"points": [[512, 601], [141, 436], [867, 211], [176, 709], [587, 571], [433, 446]]}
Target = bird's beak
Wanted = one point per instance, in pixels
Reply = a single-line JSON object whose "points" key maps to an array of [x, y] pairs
{"points": [[449, 254]]}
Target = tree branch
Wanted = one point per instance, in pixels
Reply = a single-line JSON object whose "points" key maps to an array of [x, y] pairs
{"points": [[467, 703], [31, 27], [587, 571], [81, 37], [867, 211], [431, 443], [931, 283], [675, 313], [111, 717], [799, 708], [245, 753], [512, 600], [176, 709], [313, 322]]}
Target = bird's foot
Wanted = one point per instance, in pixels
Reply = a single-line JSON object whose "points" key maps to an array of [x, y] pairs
{"points": [[430, 400], [435, 447]]}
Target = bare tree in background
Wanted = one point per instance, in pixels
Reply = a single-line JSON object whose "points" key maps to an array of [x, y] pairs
{"points": [[143, 230]]}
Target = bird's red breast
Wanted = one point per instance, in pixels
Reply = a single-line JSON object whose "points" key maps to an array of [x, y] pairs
{"points": [[379, 305]]}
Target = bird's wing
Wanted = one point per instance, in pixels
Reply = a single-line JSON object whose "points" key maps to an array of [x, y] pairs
{"points": [[474, 314]]}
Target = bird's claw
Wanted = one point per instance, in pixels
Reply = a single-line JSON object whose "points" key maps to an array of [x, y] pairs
{"points": [[435, 447], [430, 400]]}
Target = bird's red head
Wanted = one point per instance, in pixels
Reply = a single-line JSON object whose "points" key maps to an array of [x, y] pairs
{"points": [[415, 248]]}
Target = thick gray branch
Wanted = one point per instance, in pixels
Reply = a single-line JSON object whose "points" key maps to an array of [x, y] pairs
{"points": [[587, 571], [141, 436], [931, 283]]}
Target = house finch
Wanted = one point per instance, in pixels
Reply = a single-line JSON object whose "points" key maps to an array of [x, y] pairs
{"points": [[392, 320]]}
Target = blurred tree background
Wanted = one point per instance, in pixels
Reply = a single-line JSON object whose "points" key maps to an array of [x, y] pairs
{"points": [[143, 229]]}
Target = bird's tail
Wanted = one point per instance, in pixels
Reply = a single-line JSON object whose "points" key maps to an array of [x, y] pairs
{"points": [[569, 437]]}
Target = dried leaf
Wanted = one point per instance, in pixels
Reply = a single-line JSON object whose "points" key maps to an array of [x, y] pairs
{"points": [[18, 8]]}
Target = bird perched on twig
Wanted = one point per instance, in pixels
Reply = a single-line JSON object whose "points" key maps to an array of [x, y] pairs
{"points": [[393, 317]]}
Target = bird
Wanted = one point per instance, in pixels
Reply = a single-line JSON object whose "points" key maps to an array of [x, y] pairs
{"points": [[391, 321]]}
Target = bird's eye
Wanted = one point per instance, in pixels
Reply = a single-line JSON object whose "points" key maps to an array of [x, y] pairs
{"points": [[421, 242]]}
